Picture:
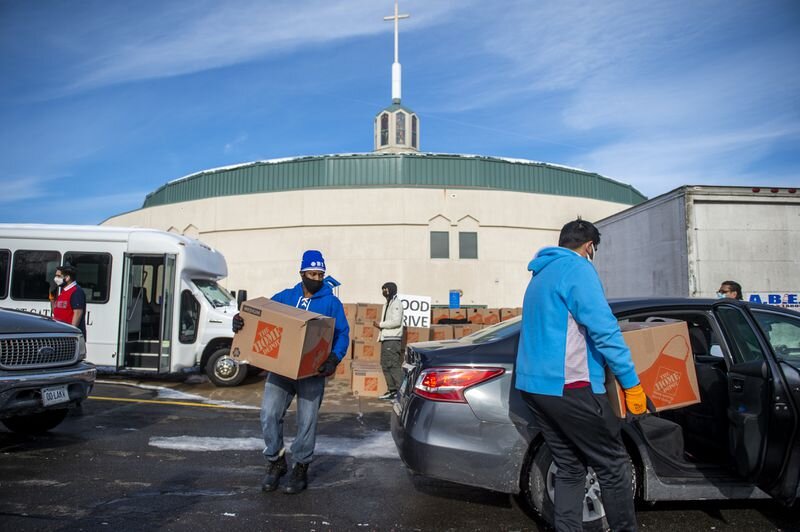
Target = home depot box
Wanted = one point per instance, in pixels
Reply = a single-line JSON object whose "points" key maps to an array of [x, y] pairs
{"points": [[368, 379], [364, 331], [282, 339], [508, 313], [368, 313], [416, 334], [663, 358], [344, 371], [459, 331], [458, 314], [350, 310], [441, 332], [366, 351], [439, 314]]}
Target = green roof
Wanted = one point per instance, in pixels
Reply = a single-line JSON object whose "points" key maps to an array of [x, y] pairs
{"points": [[394, 107], [373, 170]]}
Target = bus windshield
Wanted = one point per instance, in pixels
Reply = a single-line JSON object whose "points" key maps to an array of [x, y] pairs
{"points": [[216, 295]]}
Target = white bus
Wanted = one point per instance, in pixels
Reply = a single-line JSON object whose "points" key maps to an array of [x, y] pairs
{"points": [[153, 303]]}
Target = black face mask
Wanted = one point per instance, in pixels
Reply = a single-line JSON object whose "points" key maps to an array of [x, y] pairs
{"points": [[312, 285]]}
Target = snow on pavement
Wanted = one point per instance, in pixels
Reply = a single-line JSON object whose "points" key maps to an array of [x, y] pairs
{"points": [[376, 445]]}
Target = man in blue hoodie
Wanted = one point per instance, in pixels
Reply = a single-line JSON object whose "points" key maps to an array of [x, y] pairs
{"points": [[314, 295], [568, 336]]}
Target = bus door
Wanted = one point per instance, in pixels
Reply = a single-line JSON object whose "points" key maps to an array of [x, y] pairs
{"points": [[145, 340]]}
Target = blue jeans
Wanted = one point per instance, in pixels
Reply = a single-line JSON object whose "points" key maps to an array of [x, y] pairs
{"points": [[278, 394]]}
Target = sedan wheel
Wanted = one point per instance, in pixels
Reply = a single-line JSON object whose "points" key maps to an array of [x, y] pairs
{"points": [[539, 491]]}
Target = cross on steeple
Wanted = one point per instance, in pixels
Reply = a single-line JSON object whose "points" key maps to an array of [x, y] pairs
{"points": [[396, 70]]}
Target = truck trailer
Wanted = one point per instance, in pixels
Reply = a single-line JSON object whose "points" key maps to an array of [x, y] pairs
{"points": [[689, 240]]}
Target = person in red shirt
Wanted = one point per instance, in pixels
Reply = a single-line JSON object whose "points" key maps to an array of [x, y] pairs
{"points": [[70, 304]]}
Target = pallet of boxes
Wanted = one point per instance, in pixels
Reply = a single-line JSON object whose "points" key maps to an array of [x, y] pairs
{"points": [[367, 378], [449, 324]]}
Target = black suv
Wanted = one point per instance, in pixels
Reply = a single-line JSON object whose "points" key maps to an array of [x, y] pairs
{"points": [[42, 371]]}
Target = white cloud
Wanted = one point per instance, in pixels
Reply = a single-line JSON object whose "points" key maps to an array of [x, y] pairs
{"points": [[178, 41], [25, 188]]}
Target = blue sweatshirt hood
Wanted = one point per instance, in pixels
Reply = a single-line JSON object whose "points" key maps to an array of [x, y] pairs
{"points": [[547, 256]]}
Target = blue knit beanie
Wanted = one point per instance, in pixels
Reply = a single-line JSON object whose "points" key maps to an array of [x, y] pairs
{"points": [[312, 260]]}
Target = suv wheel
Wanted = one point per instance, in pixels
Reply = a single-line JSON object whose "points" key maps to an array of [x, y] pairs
{"points": [[223, 370], [35, 423]]}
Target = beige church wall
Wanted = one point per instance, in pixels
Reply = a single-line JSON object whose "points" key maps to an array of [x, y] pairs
{"points": [[373, 235]]}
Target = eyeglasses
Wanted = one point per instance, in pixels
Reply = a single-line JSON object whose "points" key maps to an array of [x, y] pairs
{"points": [[725, 291]]}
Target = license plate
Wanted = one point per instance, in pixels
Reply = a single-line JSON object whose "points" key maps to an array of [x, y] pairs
{"points": [[55, 395]]}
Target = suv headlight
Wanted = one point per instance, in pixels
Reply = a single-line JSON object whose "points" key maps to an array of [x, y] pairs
{"points": [[81, 348]]}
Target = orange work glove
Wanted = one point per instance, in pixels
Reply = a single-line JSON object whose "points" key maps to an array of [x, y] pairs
{"points": [[636, 400]]}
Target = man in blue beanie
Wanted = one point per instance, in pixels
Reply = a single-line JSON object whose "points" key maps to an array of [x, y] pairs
{"points": [[314, 295]]}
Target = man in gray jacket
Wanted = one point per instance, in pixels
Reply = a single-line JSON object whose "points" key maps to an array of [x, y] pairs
{"points": [[391, 335]]}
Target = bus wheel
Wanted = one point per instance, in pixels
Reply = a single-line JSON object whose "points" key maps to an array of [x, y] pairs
{"points": [[223, 370]]}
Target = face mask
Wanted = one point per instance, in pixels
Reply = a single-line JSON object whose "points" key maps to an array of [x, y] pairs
{"points": [[590, 258], [312, 285], [58, 280], [720, 295]]}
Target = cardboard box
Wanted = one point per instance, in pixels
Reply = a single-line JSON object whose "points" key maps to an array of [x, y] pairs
{"points": [[364, 331], [367, 313], [368, 380], [459, 331], [350, 310], [344, 371], [438, 314], [663, 358], [508, 313], [416, 334], [282, 339], [441, 332], [491, 316], [458, 313], [366, 351]]}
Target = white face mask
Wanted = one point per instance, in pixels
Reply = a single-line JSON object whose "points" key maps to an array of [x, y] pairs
{"points": [[58, 280], [590, 258]]}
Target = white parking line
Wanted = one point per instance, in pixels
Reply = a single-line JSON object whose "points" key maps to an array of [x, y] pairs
{"points": [[163, 392]]}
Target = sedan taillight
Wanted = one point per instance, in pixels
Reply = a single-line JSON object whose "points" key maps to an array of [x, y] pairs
{"points": [[449, 384]]}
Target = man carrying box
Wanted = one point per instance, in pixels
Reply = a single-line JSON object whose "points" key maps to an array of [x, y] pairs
{"points": [[568, 336], [391, 335], [314, 295]]}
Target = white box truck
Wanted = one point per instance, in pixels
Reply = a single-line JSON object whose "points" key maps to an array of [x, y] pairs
{"points": [[687, 241]]}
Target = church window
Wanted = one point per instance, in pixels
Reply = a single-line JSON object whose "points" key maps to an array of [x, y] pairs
{"points": [[384, 129], [467, 245], [400, 128], [440, 245], [414, 127]]}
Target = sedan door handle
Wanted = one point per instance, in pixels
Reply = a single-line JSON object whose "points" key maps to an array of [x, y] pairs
{"points": [[737, 385]]}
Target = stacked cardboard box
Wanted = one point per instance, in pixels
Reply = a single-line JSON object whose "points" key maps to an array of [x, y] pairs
{"points": [[368, 379], [508, 313], [459, 331], [416, 334], [441, 332]]}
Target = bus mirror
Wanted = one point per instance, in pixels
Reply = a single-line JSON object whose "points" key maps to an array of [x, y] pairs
{"points": [[241, 297]]}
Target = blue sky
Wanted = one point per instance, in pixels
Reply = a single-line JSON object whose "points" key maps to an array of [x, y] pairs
{"points": [[102, 102]]}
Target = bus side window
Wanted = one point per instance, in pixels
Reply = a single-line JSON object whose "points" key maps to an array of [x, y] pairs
{"points": [[189, 318], [5, 261], [32, 274], [94, 274]]}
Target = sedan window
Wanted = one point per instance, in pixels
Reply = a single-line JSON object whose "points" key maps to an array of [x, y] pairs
{"points": [[783, 333], [504, 329]]}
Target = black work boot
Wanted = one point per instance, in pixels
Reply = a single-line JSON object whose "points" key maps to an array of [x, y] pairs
{"points": [[275, 470], [299, 479]]}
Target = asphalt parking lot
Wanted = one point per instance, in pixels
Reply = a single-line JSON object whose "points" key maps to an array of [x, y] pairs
{"points": [[186, 456]]}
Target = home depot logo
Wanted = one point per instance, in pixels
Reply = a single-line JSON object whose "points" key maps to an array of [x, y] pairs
{"points": [[666, 385], [268, 339], [370, 384]]}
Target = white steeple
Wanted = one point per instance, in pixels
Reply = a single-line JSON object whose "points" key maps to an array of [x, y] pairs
{"points": [[396, 128], [396, 69]]}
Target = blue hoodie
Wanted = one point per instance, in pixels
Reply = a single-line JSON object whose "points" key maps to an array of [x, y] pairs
{"points": [[568, 331], [325, 303]]}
